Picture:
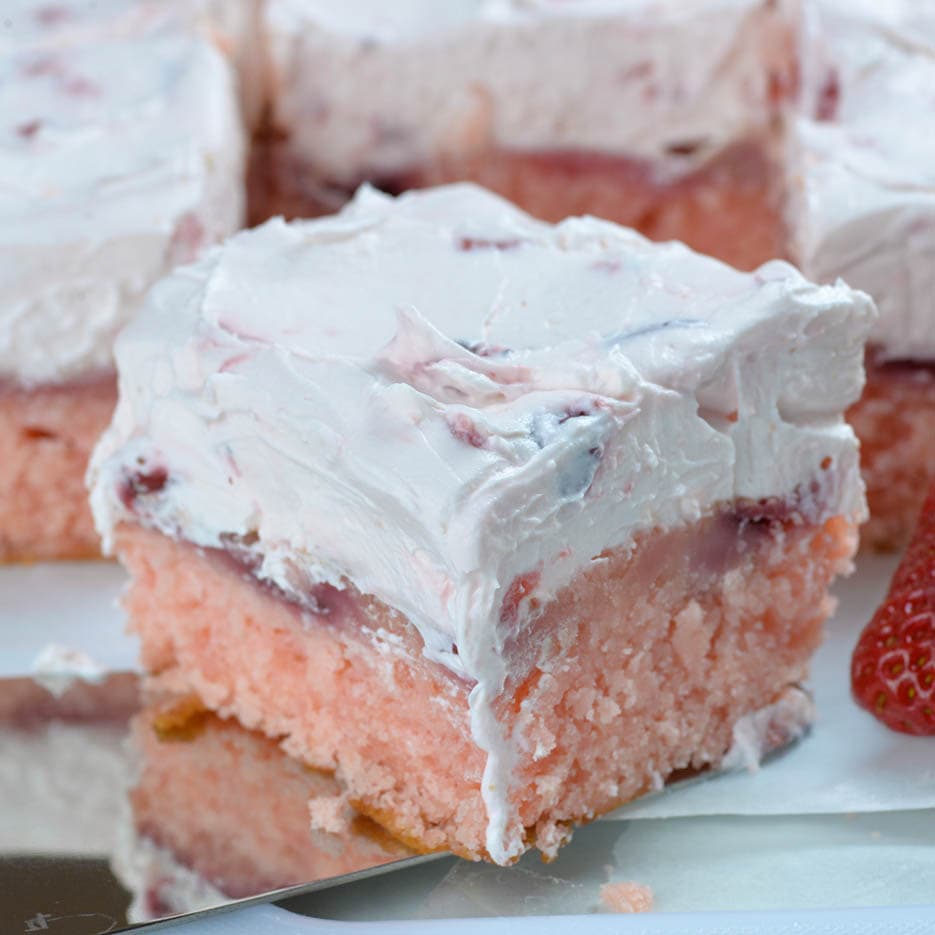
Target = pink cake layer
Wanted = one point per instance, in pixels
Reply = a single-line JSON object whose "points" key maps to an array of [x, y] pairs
{"points": [[895, 422], [729, 208], [47, 434], [230, 805], [639, 669]]}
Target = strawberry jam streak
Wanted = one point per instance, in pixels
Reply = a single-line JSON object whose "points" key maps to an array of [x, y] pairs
{"points": [[737, 526], [140, 484]]}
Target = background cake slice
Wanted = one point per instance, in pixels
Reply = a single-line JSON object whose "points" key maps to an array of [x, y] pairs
{"points": [[862, 207], [661, 116], [505, 523], [122, 156]]}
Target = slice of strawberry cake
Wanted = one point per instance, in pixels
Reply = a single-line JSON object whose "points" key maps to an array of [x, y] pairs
{"points": [[504, 523], [656, 114], [862, 207], [121, 156]]}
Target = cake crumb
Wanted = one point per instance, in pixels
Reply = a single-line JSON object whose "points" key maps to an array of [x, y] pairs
{"points": [[626, 896], [330, 813]]}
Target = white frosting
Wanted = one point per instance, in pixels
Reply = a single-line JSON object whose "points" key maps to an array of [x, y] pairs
{"points": [[304, 390], [27, 23], [631, 77], [433, 81], [119, 157], [862, 162], [369, 89], [769, 730]]}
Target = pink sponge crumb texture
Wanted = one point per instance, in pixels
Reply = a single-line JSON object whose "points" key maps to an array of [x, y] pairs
{"points": [[331, 813], [639, 669], [343, 697], [626, 896], [661, 654], [47, 435], [232, 806], [895, 422]]}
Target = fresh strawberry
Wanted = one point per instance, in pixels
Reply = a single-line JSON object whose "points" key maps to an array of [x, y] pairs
{"points": [[893, 666], [917, 568]]}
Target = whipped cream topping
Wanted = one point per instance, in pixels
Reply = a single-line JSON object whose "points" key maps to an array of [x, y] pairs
{"points": [[62, 22], [862, 162], [427, 397], [660, 80], [120, 156], [665, 82], [68, 22]]}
